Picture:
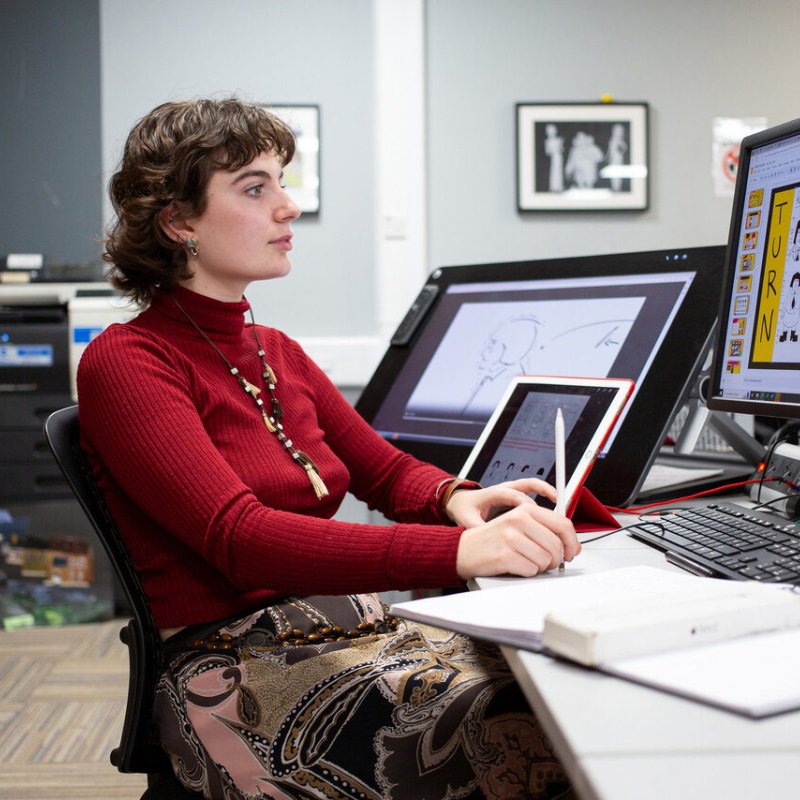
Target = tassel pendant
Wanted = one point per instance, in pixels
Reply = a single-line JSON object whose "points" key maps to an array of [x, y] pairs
{"points": [[270, 427], [320, 489], [254, 391], [269, 375], [273, 422]]}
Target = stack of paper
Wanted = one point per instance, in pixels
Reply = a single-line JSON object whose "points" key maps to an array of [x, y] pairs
{"points": [[703, 638]]}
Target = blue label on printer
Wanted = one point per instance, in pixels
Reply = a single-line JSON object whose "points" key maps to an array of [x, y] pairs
{"points": [[26, 355], [85, 335]]}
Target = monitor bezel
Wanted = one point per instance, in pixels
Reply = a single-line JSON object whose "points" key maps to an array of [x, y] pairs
{"points": [[714, 399], [616, 478]]}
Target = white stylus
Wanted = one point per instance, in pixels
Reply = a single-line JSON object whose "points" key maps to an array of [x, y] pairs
{"points": [[560, 470]]}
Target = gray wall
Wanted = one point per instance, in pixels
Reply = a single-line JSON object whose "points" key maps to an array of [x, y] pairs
{"points": [[691, 61], [50, 173], [306, 51]]}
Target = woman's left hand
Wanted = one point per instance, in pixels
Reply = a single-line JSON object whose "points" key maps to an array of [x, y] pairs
{"points": [[471, 507]]}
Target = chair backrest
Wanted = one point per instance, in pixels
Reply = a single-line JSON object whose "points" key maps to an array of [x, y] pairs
{"points": [[138, 750]]}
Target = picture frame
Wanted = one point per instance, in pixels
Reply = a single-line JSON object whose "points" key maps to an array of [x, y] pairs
{"points": [[302, 175], [582, 156]]}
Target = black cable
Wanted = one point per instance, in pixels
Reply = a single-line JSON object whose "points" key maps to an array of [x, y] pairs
{"points": [[785, 432], [601, 536], [767, 503]]}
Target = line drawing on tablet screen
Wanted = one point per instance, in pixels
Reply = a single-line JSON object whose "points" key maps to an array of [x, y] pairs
{"points": [[527, 338]]}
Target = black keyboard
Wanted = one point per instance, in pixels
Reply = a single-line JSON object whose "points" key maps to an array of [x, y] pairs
{"points": [[728, 541]]}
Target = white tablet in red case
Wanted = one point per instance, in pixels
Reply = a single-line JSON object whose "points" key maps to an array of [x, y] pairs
{"points": [[519, 438]]}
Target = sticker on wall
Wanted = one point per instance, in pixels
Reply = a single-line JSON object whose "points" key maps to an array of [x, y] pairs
{"points": [[728, 133]]}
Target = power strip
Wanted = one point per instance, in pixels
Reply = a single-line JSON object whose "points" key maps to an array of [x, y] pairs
{"points": [[783, 474]]}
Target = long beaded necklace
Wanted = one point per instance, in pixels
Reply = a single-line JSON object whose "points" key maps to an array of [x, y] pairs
{"points": [[273, 419]]}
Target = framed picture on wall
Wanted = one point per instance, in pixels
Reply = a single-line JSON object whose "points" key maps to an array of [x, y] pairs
{"points": [[582, 157], [301, 176]]}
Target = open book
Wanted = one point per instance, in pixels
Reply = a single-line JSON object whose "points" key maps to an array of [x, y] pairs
{"points": [[734, 644]]}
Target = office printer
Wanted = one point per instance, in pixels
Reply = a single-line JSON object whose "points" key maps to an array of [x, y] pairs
{"points": [[45, 325]]}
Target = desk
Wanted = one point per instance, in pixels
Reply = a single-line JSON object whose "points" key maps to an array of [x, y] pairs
{"points": [[620, 741]]}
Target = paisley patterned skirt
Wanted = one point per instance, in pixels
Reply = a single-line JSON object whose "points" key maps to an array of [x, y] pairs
{"points": [[268, 706]]}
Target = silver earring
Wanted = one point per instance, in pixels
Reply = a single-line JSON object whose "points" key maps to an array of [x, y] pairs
{"points": [[192, 245]]}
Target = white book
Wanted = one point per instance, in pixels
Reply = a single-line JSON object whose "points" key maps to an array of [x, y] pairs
{"points": [[631, 621], [712, 611]]}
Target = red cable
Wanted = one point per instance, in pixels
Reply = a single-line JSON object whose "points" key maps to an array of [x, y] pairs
{"points": [[674, 500]]}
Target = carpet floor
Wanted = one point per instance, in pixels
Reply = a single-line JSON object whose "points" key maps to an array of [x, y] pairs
{"points": [[62, 702]]}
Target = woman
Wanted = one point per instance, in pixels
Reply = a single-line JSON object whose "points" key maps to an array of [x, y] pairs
{"points": [[224, 451]]}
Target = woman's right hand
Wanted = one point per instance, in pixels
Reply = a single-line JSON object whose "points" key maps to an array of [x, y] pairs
{"points": [[525, 541]]}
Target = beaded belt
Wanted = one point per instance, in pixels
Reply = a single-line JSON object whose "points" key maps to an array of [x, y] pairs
{"points": [[297, 638], [335, 633]]}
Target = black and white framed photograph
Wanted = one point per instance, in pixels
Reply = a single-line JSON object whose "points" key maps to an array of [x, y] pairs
{"points": [[582, 157], [301, 176]]}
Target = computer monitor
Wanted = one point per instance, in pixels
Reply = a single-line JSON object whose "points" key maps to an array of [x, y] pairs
{"points": [[756, 368], [644, 316]]}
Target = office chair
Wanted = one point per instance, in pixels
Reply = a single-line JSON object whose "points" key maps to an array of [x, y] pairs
{"points": [[138, 750]]}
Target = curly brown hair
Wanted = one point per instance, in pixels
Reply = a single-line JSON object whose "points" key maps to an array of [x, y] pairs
{"points": [[169, 158]]}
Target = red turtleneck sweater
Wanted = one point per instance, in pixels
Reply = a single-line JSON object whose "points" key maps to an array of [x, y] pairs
{"points": [[217, 515]]}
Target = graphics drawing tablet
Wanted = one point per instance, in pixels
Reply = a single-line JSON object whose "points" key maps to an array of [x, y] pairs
{"points": [[519, 438]]}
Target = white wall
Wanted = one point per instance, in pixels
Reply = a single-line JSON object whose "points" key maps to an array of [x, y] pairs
{"points": [[471, 60], [691, 61], [305, 51], [357, 265]]}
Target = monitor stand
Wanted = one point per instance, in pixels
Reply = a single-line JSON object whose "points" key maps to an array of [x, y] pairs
{"points": [[746, 445], [682, 469]]}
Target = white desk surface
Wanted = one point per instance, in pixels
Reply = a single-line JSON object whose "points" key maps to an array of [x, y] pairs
{"points": [[621, 741]]}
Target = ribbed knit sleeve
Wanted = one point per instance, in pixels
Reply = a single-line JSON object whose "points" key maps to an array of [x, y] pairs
{"points": [[386, 479], [216, 514]]}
